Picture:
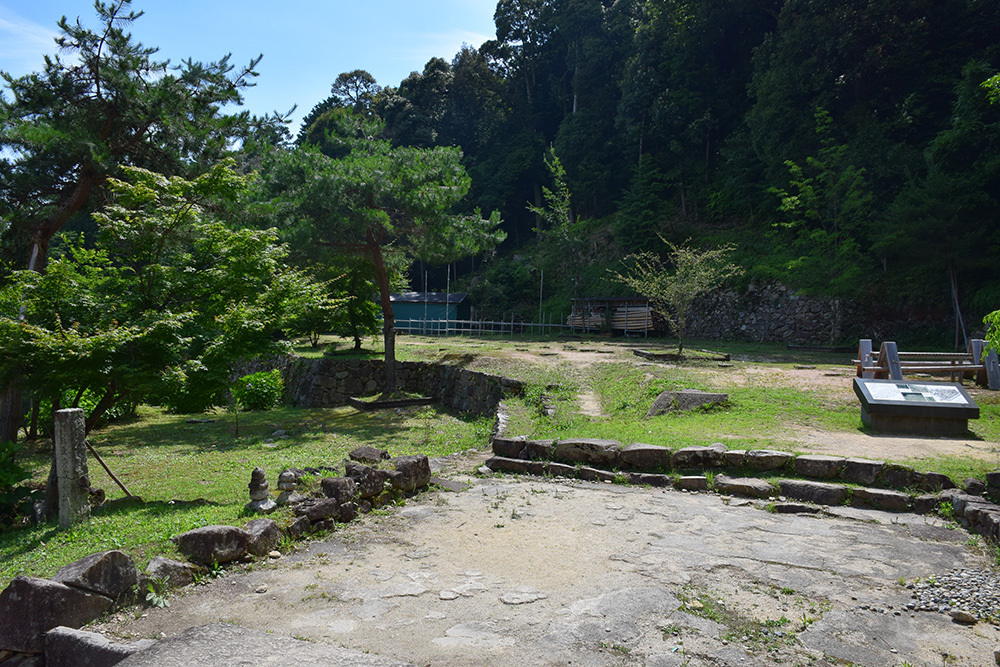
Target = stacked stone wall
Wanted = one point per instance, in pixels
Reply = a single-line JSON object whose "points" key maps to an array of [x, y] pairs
{"points": [[325, 383]]}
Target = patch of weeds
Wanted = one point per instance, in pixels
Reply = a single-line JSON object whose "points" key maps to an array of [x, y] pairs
{"points": [[710, 479], [618, 648], [768, 634], [157, 592], [946, 511], [620, 479], [669, 631]]}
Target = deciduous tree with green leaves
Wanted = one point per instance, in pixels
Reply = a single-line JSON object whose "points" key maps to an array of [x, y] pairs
{"points": [[672, 292], [104, 102], [160, 307]]}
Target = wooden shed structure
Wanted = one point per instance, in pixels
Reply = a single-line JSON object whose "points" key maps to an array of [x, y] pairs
{"points": [[625, 315]]}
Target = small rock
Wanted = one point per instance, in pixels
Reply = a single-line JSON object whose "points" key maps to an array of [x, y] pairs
{"points": [[484, 471], [962, 616], [261, 589], [274, 554]]}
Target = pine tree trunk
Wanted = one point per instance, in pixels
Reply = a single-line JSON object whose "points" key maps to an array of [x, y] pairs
{"points": [[388, 320]]}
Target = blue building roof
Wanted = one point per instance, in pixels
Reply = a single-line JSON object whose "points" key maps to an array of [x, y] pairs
{"points": [[428, 297]]}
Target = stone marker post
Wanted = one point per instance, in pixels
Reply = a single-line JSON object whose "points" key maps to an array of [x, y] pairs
{"points": [[71, 467]]}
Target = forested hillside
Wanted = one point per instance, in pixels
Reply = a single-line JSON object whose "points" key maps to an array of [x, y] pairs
{"points": [[847, 147]]}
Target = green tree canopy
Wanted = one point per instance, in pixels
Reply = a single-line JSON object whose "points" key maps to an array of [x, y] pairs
{"points": [[375, 196], [161, 306]]}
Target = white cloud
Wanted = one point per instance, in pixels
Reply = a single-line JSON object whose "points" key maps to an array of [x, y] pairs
{"points": [[23, 43]]}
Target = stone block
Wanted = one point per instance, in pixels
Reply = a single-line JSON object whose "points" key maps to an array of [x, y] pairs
{"points": [[795, 508], [588, 451], [369, 481], [882, 499], [503, 464], [736, 458], [973, 486], [897, 476], [411, 473], [640, 456], [213, 544], [925, 504], [595, 474], [67, 647], [993, 480], [299, 527], [821, 493], [560, 469], [175, 572], [510, 448], [264, 536], [341, 489], [30, 607], [767, 459], [108, 573], [538, 450], [713, 456], [683, 400], [650, 479], [692, 483], [936, 481], [818, 466], [861, 471], [368, 454], [319, 510], [750, 487]]}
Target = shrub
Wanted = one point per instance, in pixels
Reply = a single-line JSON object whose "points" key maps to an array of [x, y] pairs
{"points": [[259, 391], [12, 496]]}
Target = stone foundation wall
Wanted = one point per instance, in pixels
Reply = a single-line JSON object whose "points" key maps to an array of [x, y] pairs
{"points": [[774, 313], [324, 383]]}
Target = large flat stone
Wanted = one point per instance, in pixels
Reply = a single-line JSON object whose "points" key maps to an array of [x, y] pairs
{"points": [[743, 486], [767, 459], [883, 499], [818, 466], [683, 400], [861, 471], [67, 647], [108, 573], [510, 448], [820, 493], [213, 544], [538, 450], [226, 645], [588, 451], [30, 607], [642, 457], [504, 464], [713, 456]]}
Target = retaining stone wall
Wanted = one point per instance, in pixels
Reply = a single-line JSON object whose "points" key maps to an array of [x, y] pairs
{"points": [[328, 382], [773, 313], [607, 461]]}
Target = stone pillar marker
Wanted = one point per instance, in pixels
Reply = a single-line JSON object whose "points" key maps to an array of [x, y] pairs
{"points": [[71, 467]]}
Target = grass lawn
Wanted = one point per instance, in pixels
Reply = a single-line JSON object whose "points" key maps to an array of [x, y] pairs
{"points": [[195, 473]]}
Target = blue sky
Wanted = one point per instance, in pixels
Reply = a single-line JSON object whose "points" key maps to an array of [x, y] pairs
{"points": [[305, 44]]}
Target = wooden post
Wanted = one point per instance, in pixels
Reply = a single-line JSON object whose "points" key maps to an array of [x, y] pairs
{"points": [[888, 358], [865, 358]]}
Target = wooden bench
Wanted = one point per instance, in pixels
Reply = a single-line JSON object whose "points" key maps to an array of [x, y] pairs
{"points": [[890, 364]]}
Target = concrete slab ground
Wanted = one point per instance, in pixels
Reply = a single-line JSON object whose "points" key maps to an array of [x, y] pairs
{"points": [[515, 572]]}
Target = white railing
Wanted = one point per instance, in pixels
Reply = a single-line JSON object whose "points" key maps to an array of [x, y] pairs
{"points": [[478, 327]]}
